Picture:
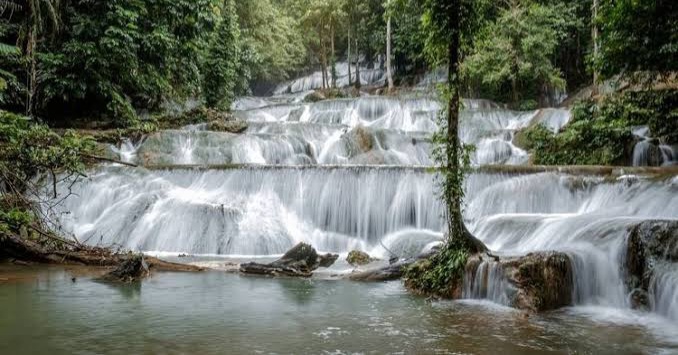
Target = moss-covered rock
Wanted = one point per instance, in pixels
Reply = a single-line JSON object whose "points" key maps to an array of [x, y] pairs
{"points": [[600, 132], [231, 126], [358, 258]]}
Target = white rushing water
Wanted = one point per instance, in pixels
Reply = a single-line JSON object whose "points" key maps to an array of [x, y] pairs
{"points": [[650, 152], [370, 130], [351, 174]]}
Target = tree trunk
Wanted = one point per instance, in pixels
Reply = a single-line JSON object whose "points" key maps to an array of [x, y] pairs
{"points": [[454, 200], [350, 80], [323, 58], [32, 63], [389, 74], [333, 59], [594, 37], [357, 65]]}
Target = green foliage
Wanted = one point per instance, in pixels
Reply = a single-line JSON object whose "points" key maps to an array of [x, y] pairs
{"points": [[223, 60], [111, 58], [600, 134], [439, 275], [637, 35], [12, 220], [272, 39], [514, 53], [28, 149]]}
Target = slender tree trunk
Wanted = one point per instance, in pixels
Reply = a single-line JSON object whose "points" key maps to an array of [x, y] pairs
{"points": [[389, 73], [454, 201], [594, 38], [333, 59], [323, 58], [32, 63], [350, 80], [357, 64]]}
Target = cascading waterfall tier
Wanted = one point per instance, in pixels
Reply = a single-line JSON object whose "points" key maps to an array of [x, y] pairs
{"points": [[355, 174], [265, 210], [369, 130]]}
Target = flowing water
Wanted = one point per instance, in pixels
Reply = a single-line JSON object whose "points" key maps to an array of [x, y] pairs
{"points": [[353, 174], [44, 312]]}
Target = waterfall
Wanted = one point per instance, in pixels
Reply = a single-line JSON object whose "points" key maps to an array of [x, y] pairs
{"points": [[314, 80], [647, 152], [351, 174]]}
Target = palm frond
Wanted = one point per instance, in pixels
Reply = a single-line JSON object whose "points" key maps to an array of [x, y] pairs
{"points": [[9, 5], [6, 49]]}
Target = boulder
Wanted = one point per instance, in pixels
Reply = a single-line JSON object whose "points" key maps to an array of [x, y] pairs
{"points": [[544, 281], [300, 261], [230, 126], [649, 245], [392, 272], [358, 258], [315, 96], [535, 282], [129, 270]]}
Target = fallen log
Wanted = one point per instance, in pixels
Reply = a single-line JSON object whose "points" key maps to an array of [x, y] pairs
{"points": [[300, 261], [20, 249]]}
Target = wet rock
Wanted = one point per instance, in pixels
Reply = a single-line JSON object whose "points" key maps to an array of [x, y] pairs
{"points": [[315, 96], [132, 269], [392, 272], [649, 245], [544, 281], [360, 140], [358, 258], [300, 261], [327, 260], [535, 282], [230, 126]]}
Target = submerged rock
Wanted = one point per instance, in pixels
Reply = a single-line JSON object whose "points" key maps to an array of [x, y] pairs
{"points": [[650, 244], [358, 258], [132, 269], [300, 261]]}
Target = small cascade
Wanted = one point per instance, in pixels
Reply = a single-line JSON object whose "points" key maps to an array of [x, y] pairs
{"points": [[649, 152], [664, 291], [314, 80], [487, 282]]}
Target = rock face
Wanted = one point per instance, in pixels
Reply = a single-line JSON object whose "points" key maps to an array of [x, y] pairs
{"points": [[133, 269], [230, 126], [535, 282], [358, 258], [299, 261], [544, 281], [649, 245]]}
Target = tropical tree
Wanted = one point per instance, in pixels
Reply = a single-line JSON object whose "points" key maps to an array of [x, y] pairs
{"points": [[637, 36], [514, 53], [223, 60]]}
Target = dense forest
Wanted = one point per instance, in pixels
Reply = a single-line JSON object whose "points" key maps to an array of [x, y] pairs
{"points": [[84, 60]]}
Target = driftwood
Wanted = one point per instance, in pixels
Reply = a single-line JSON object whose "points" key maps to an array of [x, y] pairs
{"points": [[110, 160], [299, 261], [20, 249]]}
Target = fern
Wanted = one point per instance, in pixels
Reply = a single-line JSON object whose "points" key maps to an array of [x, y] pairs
{"points": [[6, 49]]}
